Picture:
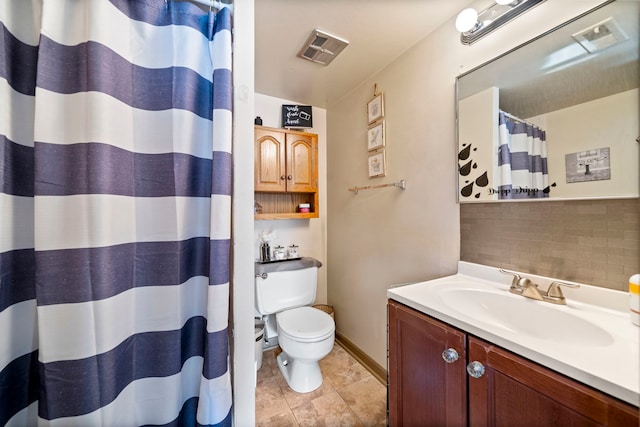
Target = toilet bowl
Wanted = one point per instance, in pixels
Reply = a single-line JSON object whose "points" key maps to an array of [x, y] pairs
{"points": [[306, 335]]}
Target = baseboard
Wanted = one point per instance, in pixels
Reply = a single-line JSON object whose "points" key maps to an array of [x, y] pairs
{"points": [[371, 365]]}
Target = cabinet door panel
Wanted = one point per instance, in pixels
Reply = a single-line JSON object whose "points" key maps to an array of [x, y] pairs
{"points": [[302, 172], [424, 390], [269, 170], [516, 391]]}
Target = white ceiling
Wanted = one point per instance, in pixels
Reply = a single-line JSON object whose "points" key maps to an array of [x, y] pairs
{"points": [[378, 32], [555, 72]]}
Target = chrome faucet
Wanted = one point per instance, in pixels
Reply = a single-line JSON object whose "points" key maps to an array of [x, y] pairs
{"points": [[525, 287]]}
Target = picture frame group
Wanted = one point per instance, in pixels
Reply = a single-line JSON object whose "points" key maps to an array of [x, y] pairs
{"points": [[376, 136]]}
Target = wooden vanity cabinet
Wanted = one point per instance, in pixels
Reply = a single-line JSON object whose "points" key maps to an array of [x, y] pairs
{"points": [[513, 391], [424, 390], [285, 172]]}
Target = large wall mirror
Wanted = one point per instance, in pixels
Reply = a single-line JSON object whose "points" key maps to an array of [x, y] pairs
{"points": [[556, 118]]}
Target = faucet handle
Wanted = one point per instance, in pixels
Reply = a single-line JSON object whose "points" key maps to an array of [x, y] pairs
{"points": [[516, 277], [524, 282], [518, 283], [554, 290]]}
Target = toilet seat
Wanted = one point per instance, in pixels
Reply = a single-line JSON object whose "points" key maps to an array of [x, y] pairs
{"points": [[305, 324]]}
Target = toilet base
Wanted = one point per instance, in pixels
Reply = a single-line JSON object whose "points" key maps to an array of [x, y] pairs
{"points": [[303, 376]]}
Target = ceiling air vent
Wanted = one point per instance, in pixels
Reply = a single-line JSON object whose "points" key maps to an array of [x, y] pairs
{"points": [[601, 35], [322, 47]]}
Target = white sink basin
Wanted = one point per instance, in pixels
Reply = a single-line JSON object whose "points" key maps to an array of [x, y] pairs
{"points": [[590, 339], [522, 315]]}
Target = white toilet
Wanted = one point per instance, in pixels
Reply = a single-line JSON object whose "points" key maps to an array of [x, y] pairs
{"points": [[305, 334]]}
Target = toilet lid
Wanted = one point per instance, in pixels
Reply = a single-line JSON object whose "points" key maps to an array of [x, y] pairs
{"points": [[305, 323]]}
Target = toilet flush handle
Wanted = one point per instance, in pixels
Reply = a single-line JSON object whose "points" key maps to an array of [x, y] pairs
{"points": [[262, 276]]}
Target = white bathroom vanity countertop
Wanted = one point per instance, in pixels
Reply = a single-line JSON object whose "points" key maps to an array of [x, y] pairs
{"points": [[605, 357]]}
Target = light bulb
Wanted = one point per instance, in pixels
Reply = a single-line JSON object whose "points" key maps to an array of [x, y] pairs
{"points": [[466, 20]]}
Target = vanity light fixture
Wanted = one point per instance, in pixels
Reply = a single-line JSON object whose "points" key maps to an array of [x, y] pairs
{"points": [[473, 25]]}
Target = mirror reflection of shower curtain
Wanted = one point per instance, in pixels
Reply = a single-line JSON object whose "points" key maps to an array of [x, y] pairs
{"points": [[522, 160]]}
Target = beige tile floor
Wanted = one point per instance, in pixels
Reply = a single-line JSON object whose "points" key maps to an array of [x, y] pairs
{"points": [[349, 395]]}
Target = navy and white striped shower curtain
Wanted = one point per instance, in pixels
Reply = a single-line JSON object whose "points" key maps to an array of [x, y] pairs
{"points": [[522, 160], [115, 200]]}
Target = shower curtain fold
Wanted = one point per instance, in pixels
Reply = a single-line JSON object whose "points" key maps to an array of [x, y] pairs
{"points": [[115, 198], [522, 159]]}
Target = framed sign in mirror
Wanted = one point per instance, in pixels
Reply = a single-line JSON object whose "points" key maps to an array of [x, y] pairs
{"points": [[532, 119]]}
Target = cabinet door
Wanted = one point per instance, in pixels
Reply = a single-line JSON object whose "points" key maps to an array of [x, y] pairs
{"points": [[270, 165], [517, 392], [302, 163], [424, 390]]}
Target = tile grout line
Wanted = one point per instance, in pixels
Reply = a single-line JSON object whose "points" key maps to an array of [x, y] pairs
{"points": [[284, 390]]}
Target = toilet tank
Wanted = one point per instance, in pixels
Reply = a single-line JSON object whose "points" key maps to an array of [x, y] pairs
{"points": [[287, 284]]}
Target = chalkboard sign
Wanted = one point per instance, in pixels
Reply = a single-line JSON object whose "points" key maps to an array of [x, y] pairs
{"points": [[297, 116]]}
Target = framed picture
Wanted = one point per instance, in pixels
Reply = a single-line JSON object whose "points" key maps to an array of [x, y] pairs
{"points": [[592, 165], [377, 164], [375, 108], [375, 136]]}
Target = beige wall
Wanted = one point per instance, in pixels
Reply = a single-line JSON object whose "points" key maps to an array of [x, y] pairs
{"points": [[383, 237], [309, 234]]}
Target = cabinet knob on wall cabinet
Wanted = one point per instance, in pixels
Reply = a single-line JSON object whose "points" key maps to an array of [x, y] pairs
{"points": [[289, 177], [475, 369], [450, 355], [282, 177]]}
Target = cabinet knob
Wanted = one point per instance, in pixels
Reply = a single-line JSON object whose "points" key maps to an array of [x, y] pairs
{"points": [[289, 177], [475, 369], [282, 177], [450, 355]]}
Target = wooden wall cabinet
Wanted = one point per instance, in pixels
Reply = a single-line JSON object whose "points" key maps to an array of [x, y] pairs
{"points": [[425, 390], [286, 173]]}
